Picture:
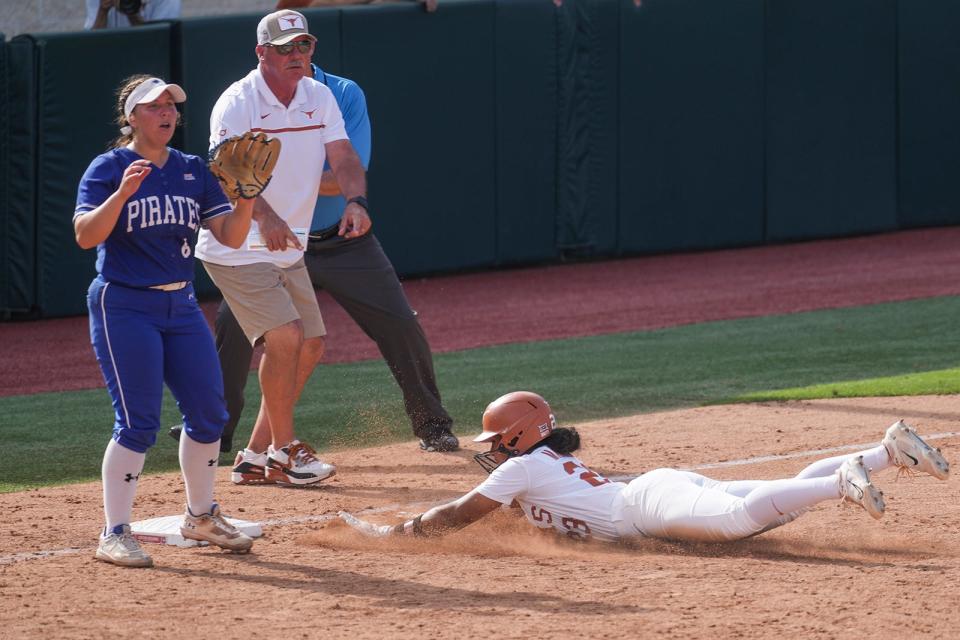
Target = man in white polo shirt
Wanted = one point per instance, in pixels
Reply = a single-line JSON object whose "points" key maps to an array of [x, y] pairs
{"points": [[265, 282]]}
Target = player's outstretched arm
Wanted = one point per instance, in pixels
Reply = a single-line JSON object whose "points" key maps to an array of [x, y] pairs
{"points": [[435, 522]]}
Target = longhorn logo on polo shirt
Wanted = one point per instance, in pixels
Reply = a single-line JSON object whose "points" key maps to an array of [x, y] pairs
{"points": [[310, 113]]}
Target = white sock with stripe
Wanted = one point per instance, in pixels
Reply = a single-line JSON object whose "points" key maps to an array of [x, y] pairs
{"points": [[198, 464], [120, 472]]}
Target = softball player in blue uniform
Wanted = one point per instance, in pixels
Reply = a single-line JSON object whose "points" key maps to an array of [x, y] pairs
{"points": [[141, 205]]}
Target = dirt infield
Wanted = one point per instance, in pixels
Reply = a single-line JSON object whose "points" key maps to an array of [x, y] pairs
{"points": [[833, 571]]}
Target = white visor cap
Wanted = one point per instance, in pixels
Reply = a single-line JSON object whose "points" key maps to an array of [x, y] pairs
{"points": [[148, 91]]}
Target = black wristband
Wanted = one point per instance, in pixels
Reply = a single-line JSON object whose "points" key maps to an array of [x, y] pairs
{"points": [[360, 200], [418, 527]]}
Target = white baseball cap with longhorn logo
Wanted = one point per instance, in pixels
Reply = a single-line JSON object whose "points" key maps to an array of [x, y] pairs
{"points": [[281, 27]]}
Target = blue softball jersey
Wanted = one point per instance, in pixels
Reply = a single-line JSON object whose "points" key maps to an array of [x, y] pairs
{"points": [[154, 238]]}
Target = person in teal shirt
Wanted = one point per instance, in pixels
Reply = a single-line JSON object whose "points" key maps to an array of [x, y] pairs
{"points": [[353, 106]]}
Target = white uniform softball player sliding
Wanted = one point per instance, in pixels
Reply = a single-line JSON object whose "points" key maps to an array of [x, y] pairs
{"points": [[556, 491], [530, 463]]}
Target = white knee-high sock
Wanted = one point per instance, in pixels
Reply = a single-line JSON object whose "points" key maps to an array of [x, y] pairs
{"points": [[775, 502], [772, 500], [198, 464], [875, 459], [120, 472]]}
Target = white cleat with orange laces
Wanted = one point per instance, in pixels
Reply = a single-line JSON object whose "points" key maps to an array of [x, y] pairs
{"points": [[911, 454]]}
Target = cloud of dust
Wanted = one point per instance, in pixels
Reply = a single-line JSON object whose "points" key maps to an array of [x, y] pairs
{"points": [[504, 534], [501, 534]]}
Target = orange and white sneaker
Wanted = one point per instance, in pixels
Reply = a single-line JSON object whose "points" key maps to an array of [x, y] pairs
{"points": [[297, 463], [912, 454], [855, 486], [250, 467]]}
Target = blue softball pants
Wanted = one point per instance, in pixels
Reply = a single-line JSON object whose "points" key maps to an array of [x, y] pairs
{"points": [[144, 338]]}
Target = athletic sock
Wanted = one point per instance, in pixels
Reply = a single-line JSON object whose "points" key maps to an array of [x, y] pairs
{"points": [[120, 472], [875, 459], [198, 464], [775, 499]]}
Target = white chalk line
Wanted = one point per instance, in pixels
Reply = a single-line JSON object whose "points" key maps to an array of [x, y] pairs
{"points": [[788, 456], [279, 522]]}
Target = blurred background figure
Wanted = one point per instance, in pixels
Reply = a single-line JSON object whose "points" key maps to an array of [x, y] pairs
{"points": [[108, 14]]}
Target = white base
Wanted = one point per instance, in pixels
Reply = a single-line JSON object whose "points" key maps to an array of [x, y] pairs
{"points": [[166, 530]]}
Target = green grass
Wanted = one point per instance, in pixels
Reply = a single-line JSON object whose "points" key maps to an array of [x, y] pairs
{"points": [[945, 381], [888, 349]]}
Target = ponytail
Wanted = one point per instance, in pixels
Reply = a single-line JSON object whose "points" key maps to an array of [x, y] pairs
{"points": [[123, 92], [562, 440]]}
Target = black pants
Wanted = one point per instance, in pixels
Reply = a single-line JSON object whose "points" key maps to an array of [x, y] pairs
{"points": [[360, 277]]}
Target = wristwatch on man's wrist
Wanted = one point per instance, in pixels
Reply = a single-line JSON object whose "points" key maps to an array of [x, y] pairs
{"points": [[360, 200]]}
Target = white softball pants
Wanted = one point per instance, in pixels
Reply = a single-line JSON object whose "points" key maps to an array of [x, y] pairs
{"points": [[682, 505]]}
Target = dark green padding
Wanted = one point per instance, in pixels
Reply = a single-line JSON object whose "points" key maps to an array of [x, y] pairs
{"points": [[929, 95], [691, 125], [513, 131], [831, 118], [209, 54], [429, 82], [526, 121], [5, 233], [588, 128], [19, 204]]}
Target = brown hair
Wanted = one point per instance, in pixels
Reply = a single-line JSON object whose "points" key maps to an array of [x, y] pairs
{"points": [[123, 92]]}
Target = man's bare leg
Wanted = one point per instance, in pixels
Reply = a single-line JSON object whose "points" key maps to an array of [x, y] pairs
{"points": [[278, 380], [311, 353]]}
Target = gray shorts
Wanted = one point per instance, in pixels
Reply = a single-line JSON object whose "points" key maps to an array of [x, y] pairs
{"points": [[264, 296]]}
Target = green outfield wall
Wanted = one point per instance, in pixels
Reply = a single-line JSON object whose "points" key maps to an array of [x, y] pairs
{"points": [[928, 112], [831, 94], [691, 155], [429, 84], [587, 128], [511, 132], [525, 161], [18, 161], [10, 298]]}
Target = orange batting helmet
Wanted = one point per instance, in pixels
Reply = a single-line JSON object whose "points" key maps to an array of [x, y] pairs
{"points": [[513, 424]]}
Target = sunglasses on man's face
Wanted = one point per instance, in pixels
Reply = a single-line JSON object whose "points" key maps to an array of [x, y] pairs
{"points": [[302, 46]]}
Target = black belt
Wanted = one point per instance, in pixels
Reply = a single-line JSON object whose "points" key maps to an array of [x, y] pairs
{"points": [[324, 234]]}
